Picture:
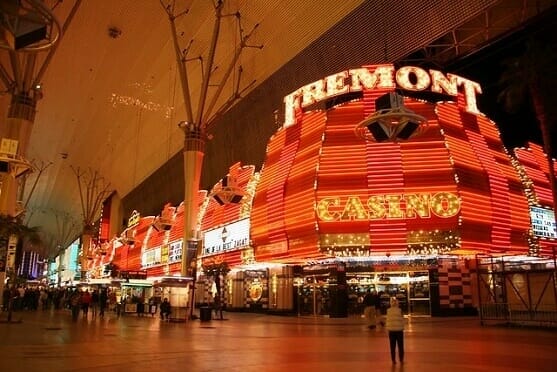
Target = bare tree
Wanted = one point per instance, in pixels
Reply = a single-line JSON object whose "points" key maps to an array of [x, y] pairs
{"points": [[93, 190]]}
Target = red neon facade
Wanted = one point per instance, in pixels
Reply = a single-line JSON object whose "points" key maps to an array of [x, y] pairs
{"points": [[324, 191], [534, 170], [216, 214]]}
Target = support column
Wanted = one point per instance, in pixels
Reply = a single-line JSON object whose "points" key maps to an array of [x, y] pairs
{"points": [[14, 141], [194, 151]]}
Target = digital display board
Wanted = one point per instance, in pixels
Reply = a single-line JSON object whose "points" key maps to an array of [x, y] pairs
{"points": [[227, 238], [543, 222]]}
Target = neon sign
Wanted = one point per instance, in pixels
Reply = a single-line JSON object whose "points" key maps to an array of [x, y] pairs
{"points": [[134, 219], [441, 204], [231, 237], [380, 77]]}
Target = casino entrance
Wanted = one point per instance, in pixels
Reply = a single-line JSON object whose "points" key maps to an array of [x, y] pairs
{"points": [[317, 293], [411, 288]]}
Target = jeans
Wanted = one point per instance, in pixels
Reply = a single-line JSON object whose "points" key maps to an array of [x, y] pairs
{"points": [[396, 338]]}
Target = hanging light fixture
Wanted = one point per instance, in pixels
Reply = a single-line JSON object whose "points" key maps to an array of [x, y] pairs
{"points": [[391, 122]]}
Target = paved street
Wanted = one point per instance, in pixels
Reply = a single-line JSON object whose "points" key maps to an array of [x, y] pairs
{"points": [[48, 341]]}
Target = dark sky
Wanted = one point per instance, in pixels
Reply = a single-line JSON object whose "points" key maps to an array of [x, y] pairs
{"points": [[485, 67]]}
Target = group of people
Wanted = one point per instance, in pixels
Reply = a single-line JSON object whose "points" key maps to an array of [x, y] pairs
{"points": [[28, 298], [393, 321], [82, 301]]}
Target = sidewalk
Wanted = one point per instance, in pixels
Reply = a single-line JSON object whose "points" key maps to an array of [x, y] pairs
{"points": [[49, 341]]}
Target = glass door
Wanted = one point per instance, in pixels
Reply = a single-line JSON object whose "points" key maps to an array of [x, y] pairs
{"points": [[419, 301], [392, 284]]}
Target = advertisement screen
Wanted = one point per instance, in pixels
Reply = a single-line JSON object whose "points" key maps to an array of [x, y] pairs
{"points": [[543, 222]]}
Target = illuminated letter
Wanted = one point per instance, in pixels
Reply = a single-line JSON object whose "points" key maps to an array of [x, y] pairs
{"points": [[394, 211], [382, 77], [440, 83], [336, 84], [313, 92], [354, 209], [323, 209], [445, 204], [470, 90], [403, 78], [417, 204], [291, 104], [376, 207]]}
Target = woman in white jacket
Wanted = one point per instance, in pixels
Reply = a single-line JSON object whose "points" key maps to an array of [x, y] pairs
{"points": [[395, 327]]}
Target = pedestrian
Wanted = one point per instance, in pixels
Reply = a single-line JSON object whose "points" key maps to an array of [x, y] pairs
{"points": [[376, 300], [94, 303], [43, 298], [85, 302], [369, 309], [6, 298], [395, 327], [165, 309], [217, 303], [75, 302], [103, 299]]}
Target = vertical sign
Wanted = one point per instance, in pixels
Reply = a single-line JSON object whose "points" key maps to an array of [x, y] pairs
{"points": [[10, 259], [8, 146]]}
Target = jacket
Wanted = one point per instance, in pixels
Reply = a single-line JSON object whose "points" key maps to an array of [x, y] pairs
{"points": [[395, 320]]}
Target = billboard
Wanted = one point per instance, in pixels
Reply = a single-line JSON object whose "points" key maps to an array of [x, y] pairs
{"points": [[543, 222]]}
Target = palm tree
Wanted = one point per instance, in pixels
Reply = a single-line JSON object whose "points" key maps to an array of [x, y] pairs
{"points": [[25, 235], [530, 78]]}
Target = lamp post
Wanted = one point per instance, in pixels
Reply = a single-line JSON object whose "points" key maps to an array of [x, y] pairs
{"points": [[196, 124]]}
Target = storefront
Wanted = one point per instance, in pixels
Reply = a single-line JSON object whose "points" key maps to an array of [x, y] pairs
{"points": [[177, 290], [381, 178], [134, 292], [360, 174]]}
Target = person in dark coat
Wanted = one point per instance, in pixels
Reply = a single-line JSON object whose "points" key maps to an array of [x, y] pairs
{"points": [[369, 309], [103, 301], [165, 309]]}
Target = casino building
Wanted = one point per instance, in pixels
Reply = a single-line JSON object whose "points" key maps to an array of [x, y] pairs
{"points": [[379, 178]]}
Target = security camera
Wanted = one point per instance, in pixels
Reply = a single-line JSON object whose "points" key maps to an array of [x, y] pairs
{"points": [[4, 167]]}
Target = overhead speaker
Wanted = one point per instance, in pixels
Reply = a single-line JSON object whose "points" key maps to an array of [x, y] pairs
{"points": [[4, 167], [29, 33], [236, 198], [390, 100], [219, 200], [378, 132], [408, 129]]}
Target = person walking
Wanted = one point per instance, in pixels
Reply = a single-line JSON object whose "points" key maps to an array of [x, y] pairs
{"points": [[369, 310], [75, 301], [376, 300], [395, 327], [165, 309], [85, 302], [94, 303], [103, 300]]}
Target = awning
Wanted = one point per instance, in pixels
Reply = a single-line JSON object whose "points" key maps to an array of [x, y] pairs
{"points": [[172, 281], [136, 283]]}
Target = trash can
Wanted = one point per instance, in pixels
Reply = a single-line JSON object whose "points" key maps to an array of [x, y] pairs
{"points": [[205, 313]]}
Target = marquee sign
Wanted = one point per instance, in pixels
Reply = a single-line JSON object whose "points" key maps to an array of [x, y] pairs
{"points": [[543, 222], [409, 78], [396, 206], [227, 238], [134, 219]]}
